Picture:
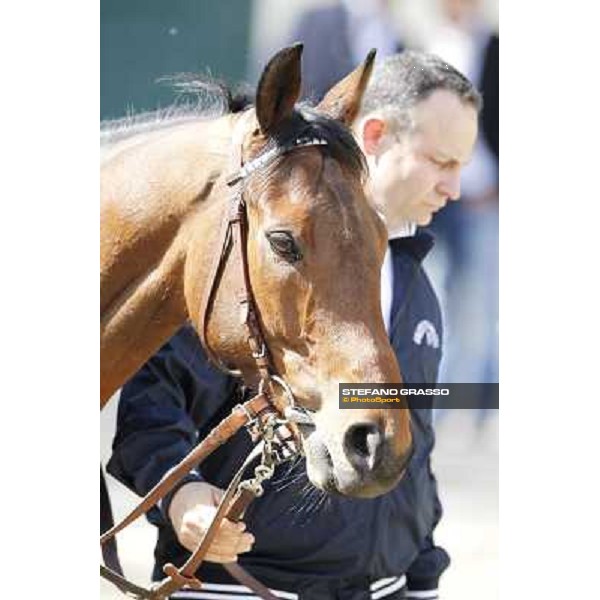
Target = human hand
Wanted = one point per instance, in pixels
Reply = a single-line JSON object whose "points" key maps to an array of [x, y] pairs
{"points": [[191, 512]]}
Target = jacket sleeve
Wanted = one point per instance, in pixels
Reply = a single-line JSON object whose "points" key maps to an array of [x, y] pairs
{"points": [[160, 411], [424, 573]]}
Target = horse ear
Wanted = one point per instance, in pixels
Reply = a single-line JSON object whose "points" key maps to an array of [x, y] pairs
{"points": [[342, 101], [279, 88]]}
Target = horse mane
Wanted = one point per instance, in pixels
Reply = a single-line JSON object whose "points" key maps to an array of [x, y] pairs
{"points": [[197, 96], [204, 97]]}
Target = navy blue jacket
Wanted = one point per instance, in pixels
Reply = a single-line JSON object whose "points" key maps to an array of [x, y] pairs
{"points": [[301, 540]]}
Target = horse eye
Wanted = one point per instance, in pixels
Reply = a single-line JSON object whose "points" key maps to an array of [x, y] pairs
{"points": [[284, 245]]}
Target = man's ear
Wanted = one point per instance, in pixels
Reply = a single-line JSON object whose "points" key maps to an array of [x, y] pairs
{"points": [[372, 133], [342, 101]]}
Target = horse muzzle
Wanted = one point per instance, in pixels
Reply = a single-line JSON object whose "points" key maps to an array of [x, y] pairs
{"points": [[364, 466]]}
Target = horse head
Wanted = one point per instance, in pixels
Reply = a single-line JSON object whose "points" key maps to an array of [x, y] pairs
{"points": [[315, 246]]}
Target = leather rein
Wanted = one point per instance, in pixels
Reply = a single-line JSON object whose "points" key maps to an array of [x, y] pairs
{"points": [[270, 422]]}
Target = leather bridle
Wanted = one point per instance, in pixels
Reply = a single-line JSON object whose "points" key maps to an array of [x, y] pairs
{"points": [[270, 421]]}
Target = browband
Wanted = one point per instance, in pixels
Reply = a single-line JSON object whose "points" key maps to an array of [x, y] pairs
{"points": [[266, 157]]}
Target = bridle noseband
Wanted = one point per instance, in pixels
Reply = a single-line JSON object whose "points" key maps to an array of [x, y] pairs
{"points": [[272, 423]]}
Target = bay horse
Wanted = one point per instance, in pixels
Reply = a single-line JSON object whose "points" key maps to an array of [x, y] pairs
{"points": [[315, 246]]}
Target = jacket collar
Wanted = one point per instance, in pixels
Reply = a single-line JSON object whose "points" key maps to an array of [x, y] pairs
{"points": [[417, 245]]}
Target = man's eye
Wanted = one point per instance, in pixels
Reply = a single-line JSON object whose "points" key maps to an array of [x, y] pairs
{"points": [[445, 165], [284, 245]]}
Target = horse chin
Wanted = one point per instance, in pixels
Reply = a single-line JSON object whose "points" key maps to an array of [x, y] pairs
{"points": [[354, 486], [351, 484], [338, 477]]}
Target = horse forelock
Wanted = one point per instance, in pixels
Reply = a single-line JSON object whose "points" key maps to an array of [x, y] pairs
{"points": [[326, 181], [340, 143]]}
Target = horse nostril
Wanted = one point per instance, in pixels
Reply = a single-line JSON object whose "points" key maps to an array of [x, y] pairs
{"points": [[362, 443]]}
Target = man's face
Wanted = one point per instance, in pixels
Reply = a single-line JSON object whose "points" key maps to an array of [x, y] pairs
{"points": [[414, 173]]}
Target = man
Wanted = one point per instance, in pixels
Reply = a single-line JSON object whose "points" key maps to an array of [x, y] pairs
{"points": [[417, 128], [465, 259]]}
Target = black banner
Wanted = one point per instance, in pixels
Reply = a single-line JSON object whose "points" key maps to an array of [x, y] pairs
{"points": [[439, 396]]}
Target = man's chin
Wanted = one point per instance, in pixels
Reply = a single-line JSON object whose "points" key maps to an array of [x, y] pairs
{"points": [[424, 220]]}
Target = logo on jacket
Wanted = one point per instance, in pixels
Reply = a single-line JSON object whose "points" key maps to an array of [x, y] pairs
{"points": [[426, 330]]}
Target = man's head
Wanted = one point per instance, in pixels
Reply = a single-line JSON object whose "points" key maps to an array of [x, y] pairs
{"points": [[417, 127], [460, 12]]}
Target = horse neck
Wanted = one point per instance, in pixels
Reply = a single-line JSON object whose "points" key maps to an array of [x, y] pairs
{"points": [[154, 193]]}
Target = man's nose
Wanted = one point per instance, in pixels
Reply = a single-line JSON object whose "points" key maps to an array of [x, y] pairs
{"points": [[450, 186]]}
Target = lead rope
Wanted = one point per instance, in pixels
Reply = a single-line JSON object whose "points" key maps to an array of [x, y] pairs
{"points": [[185, 576], [278, 445], [241, 415], [178, 578]]}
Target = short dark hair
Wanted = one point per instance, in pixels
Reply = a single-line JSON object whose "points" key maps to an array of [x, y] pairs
{"points": [[401, 81]]}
